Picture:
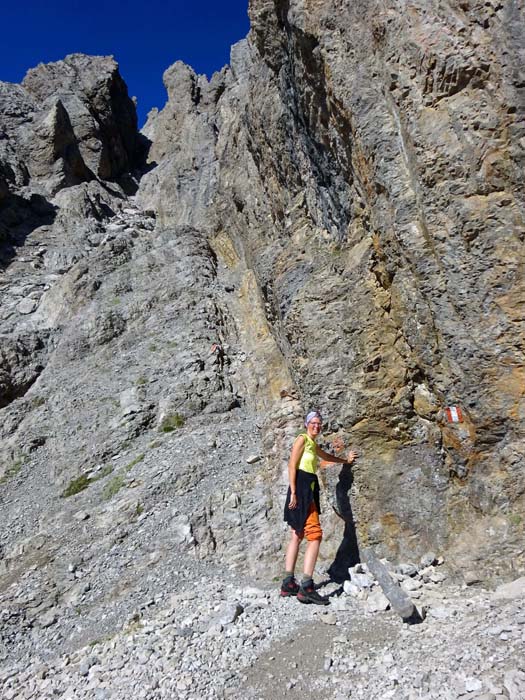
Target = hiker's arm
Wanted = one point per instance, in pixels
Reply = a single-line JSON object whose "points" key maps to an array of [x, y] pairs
{"points": [[332, 459], [293, 463]]}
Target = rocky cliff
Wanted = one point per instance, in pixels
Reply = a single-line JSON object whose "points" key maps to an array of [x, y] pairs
{"points": [[335, 219]]}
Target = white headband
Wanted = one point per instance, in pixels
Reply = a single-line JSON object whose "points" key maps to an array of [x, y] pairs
{"points": [[311, 416]]}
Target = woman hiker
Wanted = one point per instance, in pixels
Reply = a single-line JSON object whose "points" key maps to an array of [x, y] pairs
{"points": [[301, 510]]}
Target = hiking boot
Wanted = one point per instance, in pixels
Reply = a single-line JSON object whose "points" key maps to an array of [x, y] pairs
{"points": [[308, 594], [289, 587]]}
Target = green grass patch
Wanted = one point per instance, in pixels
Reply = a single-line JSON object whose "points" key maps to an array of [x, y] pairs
{"points": [[113, 487], [83, 481], [12, 470], [134, 625], [99, 641], [105, 471], [171, 423], [141, 381], [76, 485], [515, 519], [37, 401], [137, 459]]}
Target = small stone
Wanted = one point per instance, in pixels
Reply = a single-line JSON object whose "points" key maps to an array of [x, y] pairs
{"points": [[81, 515], [437, 577], [471, 578], [42, 672], [411, 584], [252, 459], [427, 559], [407, 569], [473, 684], [377, 601], [439, 613], [252, 592], [350, 588], [329, 618], [360, 568], [340, 603], [388, 659], [514, 590], [231, 613], [48, 618], [118, 664], [362, 580], [26, 306], [394, 675], [83, 669], [101, 694], [144, 657], [514, 683]]}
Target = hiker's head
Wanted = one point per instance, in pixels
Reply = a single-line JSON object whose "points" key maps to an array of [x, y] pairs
{"points": [[313, 422]]}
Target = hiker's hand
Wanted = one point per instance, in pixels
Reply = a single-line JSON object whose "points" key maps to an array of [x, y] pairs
{"points": [[350, 457], [293, 502]]}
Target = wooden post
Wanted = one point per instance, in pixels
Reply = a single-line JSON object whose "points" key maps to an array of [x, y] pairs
{"points": [[400, 601]]}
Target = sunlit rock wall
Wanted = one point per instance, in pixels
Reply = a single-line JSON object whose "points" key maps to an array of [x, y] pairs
{"points": [[341, 211], [365, 163]]}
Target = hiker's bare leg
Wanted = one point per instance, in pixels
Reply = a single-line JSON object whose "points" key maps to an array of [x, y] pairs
{"points": [[292, 551], [310, 557]]}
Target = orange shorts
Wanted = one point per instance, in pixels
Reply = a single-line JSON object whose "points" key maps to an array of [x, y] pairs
{"points": [[312, 527]]}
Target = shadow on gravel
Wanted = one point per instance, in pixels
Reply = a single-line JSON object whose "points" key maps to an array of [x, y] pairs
{"points": [[334, 594], [414, 619], [348, 552]]}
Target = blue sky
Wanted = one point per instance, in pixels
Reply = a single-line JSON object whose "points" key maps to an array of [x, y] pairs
{"points": [[145, 37]]}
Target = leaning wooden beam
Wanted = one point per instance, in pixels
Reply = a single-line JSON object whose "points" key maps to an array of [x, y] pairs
{"points": [[400, 602]]}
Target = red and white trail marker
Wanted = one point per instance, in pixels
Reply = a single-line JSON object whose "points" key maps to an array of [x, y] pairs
{"points": [[454, 414]]}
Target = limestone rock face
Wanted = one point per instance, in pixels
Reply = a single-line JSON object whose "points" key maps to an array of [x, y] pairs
{"points": [[96, 101], [69, 122], [366, 169], [334, 220], [182, 147]]}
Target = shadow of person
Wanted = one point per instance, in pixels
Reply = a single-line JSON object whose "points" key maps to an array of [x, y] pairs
{"points": [[348, 551]]}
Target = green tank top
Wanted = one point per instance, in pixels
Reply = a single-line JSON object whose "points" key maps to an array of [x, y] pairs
{"points": [[309, 461]]}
